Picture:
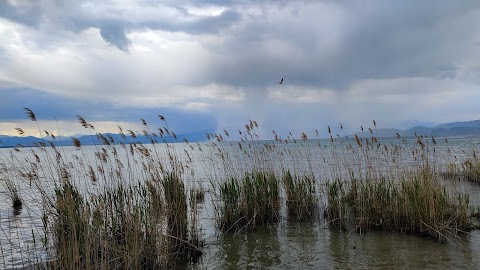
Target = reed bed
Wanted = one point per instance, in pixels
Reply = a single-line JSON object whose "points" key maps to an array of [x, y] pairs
{"points": [[470, 170], [117, 229], [135, 206], [416, 203], [249, 202], [99, 213], [301, 196]]}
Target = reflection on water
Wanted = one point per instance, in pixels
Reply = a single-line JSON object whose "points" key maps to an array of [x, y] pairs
{"points": [[312, 246]]}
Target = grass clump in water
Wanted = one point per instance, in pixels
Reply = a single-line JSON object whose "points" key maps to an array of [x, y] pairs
{"points": [[301, 197], [182, 244], [124, 227], [136, 218], [14, 194], [418, 204], [470, 170], [253, 201], [120, 228]]}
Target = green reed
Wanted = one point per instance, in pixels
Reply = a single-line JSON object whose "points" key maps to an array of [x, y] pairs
{"points": [[182, 244], [301, 196], [416, 203], [249, 202]]}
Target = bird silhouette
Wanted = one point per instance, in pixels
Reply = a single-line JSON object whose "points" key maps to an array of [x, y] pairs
{"points": [[281, 81]]}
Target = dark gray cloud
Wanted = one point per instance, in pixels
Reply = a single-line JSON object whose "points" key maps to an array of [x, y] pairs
{"points": [[29, 13], [115, 34], [115, 22], [372, 39]]}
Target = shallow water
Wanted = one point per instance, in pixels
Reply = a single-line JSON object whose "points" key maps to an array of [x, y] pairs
{"points": [[313, 246], [285, 245]]}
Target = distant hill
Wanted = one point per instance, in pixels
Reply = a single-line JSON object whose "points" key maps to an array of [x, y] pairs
{"points": [[469, 128], [469, 124], [15, 141], [415, 123]]}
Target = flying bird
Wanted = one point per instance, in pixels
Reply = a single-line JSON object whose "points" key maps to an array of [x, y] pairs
{"points": [[281, 81]]}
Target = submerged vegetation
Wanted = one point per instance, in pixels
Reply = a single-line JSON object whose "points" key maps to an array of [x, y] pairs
{"points": [[119, 205]]}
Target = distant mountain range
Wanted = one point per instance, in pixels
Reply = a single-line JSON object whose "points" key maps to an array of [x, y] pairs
{"points": [[15, 141], [454, 129], [470, 128]]}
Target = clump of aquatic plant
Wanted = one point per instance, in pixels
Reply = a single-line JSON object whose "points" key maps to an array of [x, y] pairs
{"points": [[249, 202], [335, 213], [230, 212], [14, 193], [470, 170], [301, 197], [144, 226], [182, 243], [261, 198], [116, 229], [197, 194], [11, 186], [136, 217], [452, 171], [416, 204]]}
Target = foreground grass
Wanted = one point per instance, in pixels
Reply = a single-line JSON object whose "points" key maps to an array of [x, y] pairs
{"points": [[143, 226], [99, 213], [116, 229]]}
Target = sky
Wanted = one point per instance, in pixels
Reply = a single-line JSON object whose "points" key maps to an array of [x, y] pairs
{"points": [[216, 64]]}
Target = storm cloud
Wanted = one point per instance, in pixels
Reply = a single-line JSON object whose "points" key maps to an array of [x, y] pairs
{"points": [[342, 61]]}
